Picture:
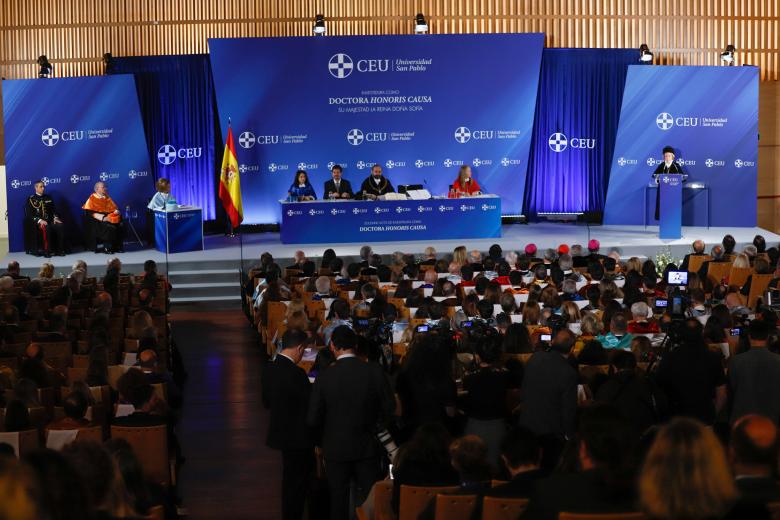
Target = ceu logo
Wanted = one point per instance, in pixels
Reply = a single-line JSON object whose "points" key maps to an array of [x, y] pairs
{"points": [[419, 163], [340, 65], [355, 137], [462, 134], [622, 161], [685, 162], [506, 161], [358, 211], [652, 162], [738, 163], [477, 162], [50, 137], [394, 164], [448, 163], [272, 167], [246, 140], [44, 180], [360, 165], [664, 120], [75, 179], [557, 142], [486, 207], [166, 154], [709, 163], [15, 184], [103, 176], [466, 207]]}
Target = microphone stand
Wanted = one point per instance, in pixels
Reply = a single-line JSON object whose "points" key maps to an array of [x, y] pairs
{"points": [[129, 221]]}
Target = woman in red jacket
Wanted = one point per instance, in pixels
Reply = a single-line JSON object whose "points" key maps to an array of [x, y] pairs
{"points": [[465, 185]]}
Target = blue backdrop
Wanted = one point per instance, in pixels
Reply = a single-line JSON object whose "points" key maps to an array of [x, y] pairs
{"points": [[72, 132], [418, 105], [710, 116], [574, 128], [176, 94]]}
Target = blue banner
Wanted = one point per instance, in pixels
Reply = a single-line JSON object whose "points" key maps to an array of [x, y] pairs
{"points": [[709, 115], [71, 133], [418, 105], [176, 95], [361, 221]]}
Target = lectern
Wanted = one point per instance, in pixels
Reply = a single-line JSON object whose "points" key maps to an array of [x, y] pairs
{"points": [[670, 221], [178, 230]]}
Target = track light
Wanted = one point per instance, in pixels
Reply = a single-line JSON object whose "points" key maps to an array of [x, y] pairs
{"points": [[420, 25], [319, 24], [45, 67], [645, 56], [727, 56]]}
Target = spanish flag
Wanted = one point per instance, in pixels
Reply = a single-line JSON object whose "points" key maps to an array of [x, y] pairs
{"points": [[230, 184]]}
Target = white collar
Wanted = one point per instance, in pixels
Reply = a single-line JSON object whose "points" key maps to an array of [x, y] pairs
{"points": [[288, 357], [345, 356]]}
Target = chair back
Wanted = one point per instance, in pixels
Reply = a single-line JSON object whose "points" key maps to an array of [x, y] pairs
{"points": [[76, 374], [774, 510], [91, 433], [415, 499], [601, 516], [80, 361], [150, 444], [23, 442], [383, 500], [758, 284], [695, 261], [738, 275], [495, 508], [156, 513], [455, 507]]}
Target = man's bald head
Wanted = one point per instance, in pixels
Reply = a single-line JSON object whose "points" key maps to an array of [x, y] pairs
{"points": [[430, 277], [698, 246], [103, 302], [753, 448], [733, 301], [33, 351], [147, 359]]}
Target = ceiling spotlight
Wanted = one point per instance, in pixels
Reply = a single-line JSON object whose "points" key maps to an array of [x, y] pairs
{"points": [[45, 67], [420, 25], [319, 24], [645, 56], [727, 56]]}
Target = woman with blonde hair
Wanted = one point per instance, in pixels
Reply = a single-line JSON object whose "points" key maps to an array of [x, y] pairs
{"points": [[685, 475], [460, 256], [46, 272], [742, 261], [464, 185], [571, 312], [634, 264]]}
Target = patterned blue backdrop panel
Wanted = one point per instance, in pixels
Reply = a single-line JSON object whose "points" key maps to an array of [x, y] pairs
{"points": [[72, 132], [709, 115], [418, 105]]}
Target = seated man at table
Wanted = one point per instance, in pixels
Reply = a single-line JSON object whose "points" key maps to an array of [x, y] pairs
{"points": [[375, 185], [104, 222], [337, 188], [48, 231]]}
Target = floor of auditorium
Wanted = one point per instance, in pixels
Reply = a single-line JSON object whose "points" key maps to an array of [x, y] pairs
{"points": [[229, 472]]}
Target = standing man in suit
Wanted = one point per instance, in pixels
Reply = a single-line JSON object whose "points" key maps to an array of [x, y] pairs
{"points": [[351, 402], [337, 188], [286, 393], [667, 166]]}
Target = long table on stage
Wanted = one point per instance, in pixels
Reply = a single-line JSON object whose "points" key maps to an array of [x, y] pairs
{"points": [[344, 221]]}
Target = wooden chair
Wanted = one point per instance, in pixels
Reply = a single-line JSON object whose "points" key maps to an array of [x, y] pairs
{"points": [[601, 516], [91, 433], [774, 510], [758, 284], [27, 440], [156, 513], [76, 374], [695, 262], [80, 361], [150, 444], [455, 507], [494, 508], [738, 275], [415, 499], [383, 498]]}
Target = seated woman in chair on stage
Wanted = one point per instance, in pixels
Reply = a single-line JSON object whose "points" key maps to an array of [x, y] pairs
{"points": [[45, 230], [104, 222]]}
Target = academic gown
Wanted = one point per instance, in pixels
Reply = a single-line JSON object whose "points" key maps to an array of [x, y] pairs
{"points": [[662, 168]]}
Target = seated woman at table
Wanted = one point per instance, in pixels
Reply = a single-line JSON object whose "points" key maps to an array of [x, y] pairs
{"points": [[465, 184], [104, 222], [162, 196], [301, 189]]}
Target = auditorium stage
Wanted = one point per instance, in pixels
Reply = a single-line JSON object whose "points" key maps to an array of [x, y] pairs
{"points": [[628, 240]]}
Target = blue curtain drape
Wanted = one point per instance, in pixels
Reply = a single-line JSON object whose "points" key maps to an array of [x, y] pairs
{"points": [[176, 94], [577, 114]]}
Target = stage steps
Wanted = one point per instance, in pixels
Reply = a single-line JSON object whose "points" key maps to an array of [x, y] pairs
{"points": [[210, 281]]}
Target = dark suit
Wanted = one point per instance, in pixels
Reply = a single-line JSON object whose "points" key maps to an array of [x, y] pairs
{"points": [[758, 490], [286, 393], [344, 187], [584, 492], [520, 486], [754, 384], [549, 395], [351, 402]]}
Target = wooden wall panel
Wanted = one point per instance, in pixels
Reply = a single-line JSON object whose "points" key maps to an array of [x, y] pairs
{"points": [[74, 34]]}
